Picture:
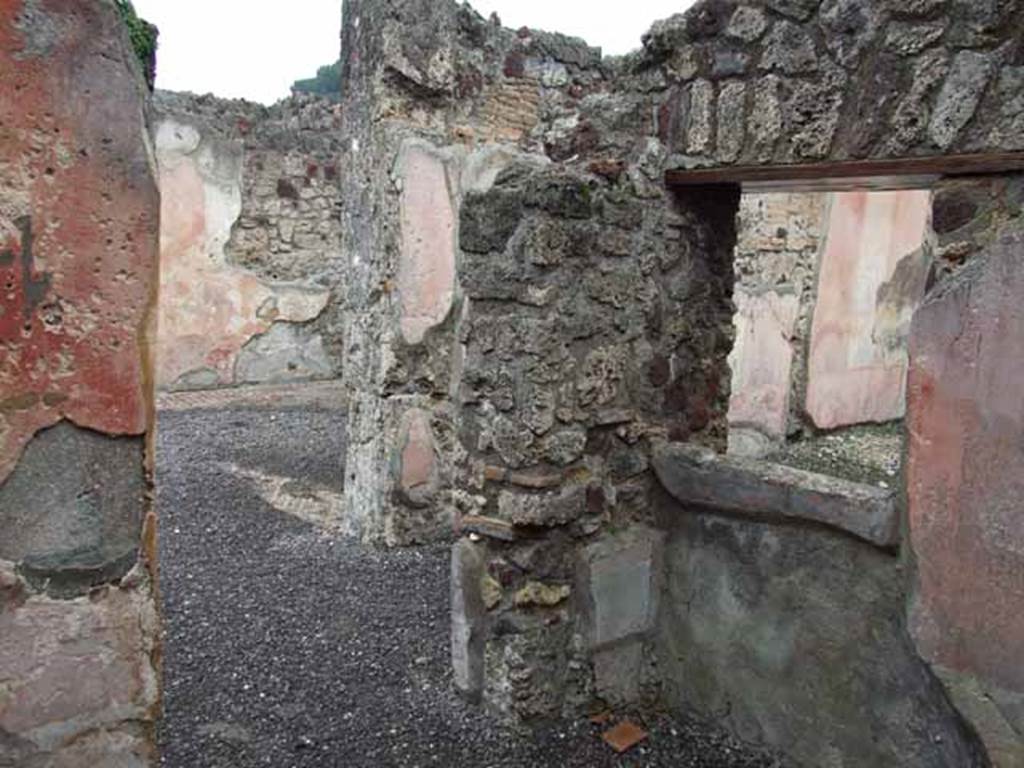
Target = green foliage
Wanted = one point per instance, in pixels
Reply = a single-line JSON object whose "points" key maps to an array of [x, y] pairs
{"points": [[326, 83], [143, 36]]}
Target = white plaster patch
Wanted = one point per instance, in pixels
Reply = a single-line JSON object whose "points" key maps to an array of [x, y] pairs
{"points": [[318, 506]]}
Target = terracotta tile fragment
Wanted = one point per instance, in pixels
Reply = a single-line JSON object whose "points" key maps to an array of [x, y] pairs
{"points": [[624, 736]]}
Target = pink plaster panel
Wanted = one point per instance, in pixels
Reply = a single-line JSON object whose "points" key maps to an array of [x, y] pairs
{"points": [[419, 469], [856, 373], [966, 472], [78, 226], [426, 269], [762, 361]]}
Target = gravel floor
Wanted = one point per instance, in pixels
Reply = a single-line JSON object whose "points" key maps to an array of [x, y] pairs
{"points": [[286, 646], [871, 453]]}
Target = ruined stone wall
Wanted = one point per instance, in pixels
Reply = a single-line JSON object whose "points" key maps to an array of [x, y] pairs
{"points": [[791, 81], [437, 102], [79, 634], [533, 317], [251, 269], [590, 311]]}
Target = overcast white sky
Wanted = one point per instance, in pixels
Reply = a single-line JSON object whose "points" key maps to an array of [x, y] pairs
{"points": [[255, 50]]}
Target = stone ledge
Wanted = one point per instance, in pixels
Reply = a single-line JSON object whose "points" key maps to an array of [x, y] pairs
{"points": [[696, 475]]}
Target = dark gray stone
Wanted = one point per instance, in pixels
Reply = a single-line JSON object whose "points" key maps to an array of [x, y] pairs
{"points": [[911, 38], [795, 9], [794, 638], [72, 510], [731, 121], [960, 96], [697, 476], [562, 196], [915, 7], [729, 62], [1008, 133], [487, 221], [620, 583], [764, 125], [747, 24], [545, 510], [789, 49], [468, 611], [850, 27]]}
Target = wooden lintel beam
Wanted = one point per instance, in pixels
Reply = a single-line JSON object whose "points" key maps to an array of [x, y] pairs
{"points": [[911, 172]]}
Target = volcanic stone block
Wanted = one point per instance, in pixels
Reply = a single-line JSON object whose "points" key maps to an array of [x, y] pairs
{"points": [[543, 509], [620, 580], [697, 476], [960, 96], [71, 512], [468, 611]]}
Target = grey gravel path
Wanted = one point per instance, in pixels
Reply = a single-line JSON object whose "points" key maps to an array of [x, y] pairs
{"points": [[286, 646]]}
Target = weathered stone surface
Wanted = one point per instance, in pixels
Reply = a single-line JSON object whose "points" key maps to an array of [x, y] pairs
{"points": [[286, 353], [543, 509], [794, 638], [426, 271], [960, 95], [731, 124], [872, 278], [468, 613], [698, 477], [910, 38], [620, 581], [789, 49], [78, 225], [700, 100], [617, 673], [850, 27], [72, 670], [797, 9], [488, 220], [747, 24], [965, 483], [1008, 132], [72, 509], [220, 324]]}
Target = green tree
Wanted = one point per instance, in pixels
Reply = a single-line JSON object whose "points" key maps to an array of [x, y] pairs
{"points": [[144, 39], [326, 83]]}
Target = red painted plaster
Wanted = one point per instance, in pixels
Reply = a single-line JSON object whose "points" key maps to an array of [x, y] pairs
{"points": [[77, 294], [966, 471]]}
